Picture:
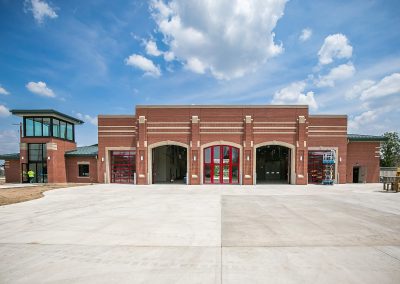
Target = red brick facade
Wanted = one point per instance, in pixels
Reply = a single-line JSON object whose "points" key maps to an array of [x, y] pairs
{"points": [[364, 155], [72, 168], [56, 148], [115, 132], [12, 171], [247, 128]]}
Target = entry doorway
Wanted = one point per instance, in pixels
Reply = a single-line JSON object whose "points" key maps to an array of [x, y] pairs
{"points": [[169, 164], [37, 162], [39, 169], [273, 164], [356, 174]]}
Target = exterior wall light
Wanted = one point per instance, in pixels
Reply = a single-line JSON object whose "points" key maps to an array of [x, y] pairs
{"points": [[248, 158], [194, 158], [48, 158], [301, 158], [102, 159], [141, 157]]}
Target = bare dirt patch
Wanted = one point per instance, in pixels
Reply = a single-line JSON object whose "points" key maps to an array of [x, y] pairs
{"points": [[21, 194]]}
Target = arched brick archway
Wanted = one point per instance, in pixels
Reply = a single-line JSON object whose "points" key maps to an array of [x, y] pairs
{"points": [[159, 144], [292, 166]]}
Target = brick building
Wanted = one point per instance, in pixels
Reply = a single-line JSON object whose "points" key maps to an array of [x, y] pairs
{"points": [[247, 145]]}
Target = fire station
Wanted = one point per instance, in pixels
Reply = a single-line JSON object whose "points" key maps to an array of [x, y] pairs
{"points": [[196, 144]]}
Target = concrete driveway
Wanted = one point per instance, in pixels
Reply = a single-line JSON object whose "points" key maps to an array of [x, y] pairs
{"points": [[203, 234]]}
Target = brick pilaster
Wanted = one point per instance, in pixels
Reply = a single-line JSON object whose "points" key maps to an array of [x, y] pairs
{"points": [[248, 154], [194, 151], [301, 151], [141, 152]]}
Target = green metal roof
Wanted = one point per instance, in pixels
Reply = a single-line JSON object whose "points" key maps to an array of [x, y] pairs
{"points": [[45, 112], [85, 151], [360, 138], [12, 156]]}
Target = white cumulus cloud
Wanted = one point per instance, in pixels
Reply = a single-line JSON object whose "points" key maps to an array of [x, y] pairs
{"points": [[3, 91], [305, 34], [169, 56], [338, 73], [41, 89], [9, 141], [335, 46], [358, 88], [144, 64], [294, 94], [152, 49], [362, 119], [87, 118], [389, 85], [228, 38], [4, 111], [40, 10]]}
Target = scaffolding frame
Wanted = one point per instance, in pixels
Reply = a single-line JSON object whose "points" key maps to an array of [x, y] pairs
{"points": [[328, 161]]}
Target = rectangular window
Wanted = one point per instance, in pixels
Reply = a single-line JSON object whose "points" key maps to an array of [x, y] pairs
{"points": [[207, 155], [216, 154], [235, 156], [38, 126], [83, 170], [63, 128], [28, 127], [56, 128], [37, 152], [70, 132], [46, 126]]}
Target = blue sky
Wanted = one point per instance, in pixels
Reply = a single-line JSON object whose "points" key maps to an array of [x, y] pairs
{"points": [[86, 58]]}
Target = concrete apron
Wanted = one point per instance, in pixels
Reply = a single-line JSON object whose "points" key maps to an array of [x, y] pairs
{"points": [[203, 234]]}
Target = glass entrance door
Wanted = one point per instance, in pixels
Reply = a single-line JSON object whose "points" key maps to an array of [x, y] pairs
{"points": [[37, 162], [221, 165]]}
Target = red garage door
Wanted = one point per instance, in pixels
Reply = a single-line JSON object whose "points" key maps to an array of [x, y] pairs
{"points": [[123, 166], [221, 164]]}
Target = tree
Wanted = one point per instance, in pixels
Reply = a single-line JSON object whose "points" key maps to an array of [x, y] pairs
{"points": [[390, 150]]}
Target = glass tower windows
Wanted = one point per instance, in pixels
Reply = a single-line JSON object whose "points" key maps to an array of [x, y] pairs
{"points": [[38, 127], [70, 132], [48, 127], [56, 128], [29, 127], [63, 126]]}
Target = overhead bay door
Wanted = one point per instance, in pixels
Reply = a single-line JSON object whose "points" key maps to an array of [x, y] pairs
{"points": [[123, 166]]}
